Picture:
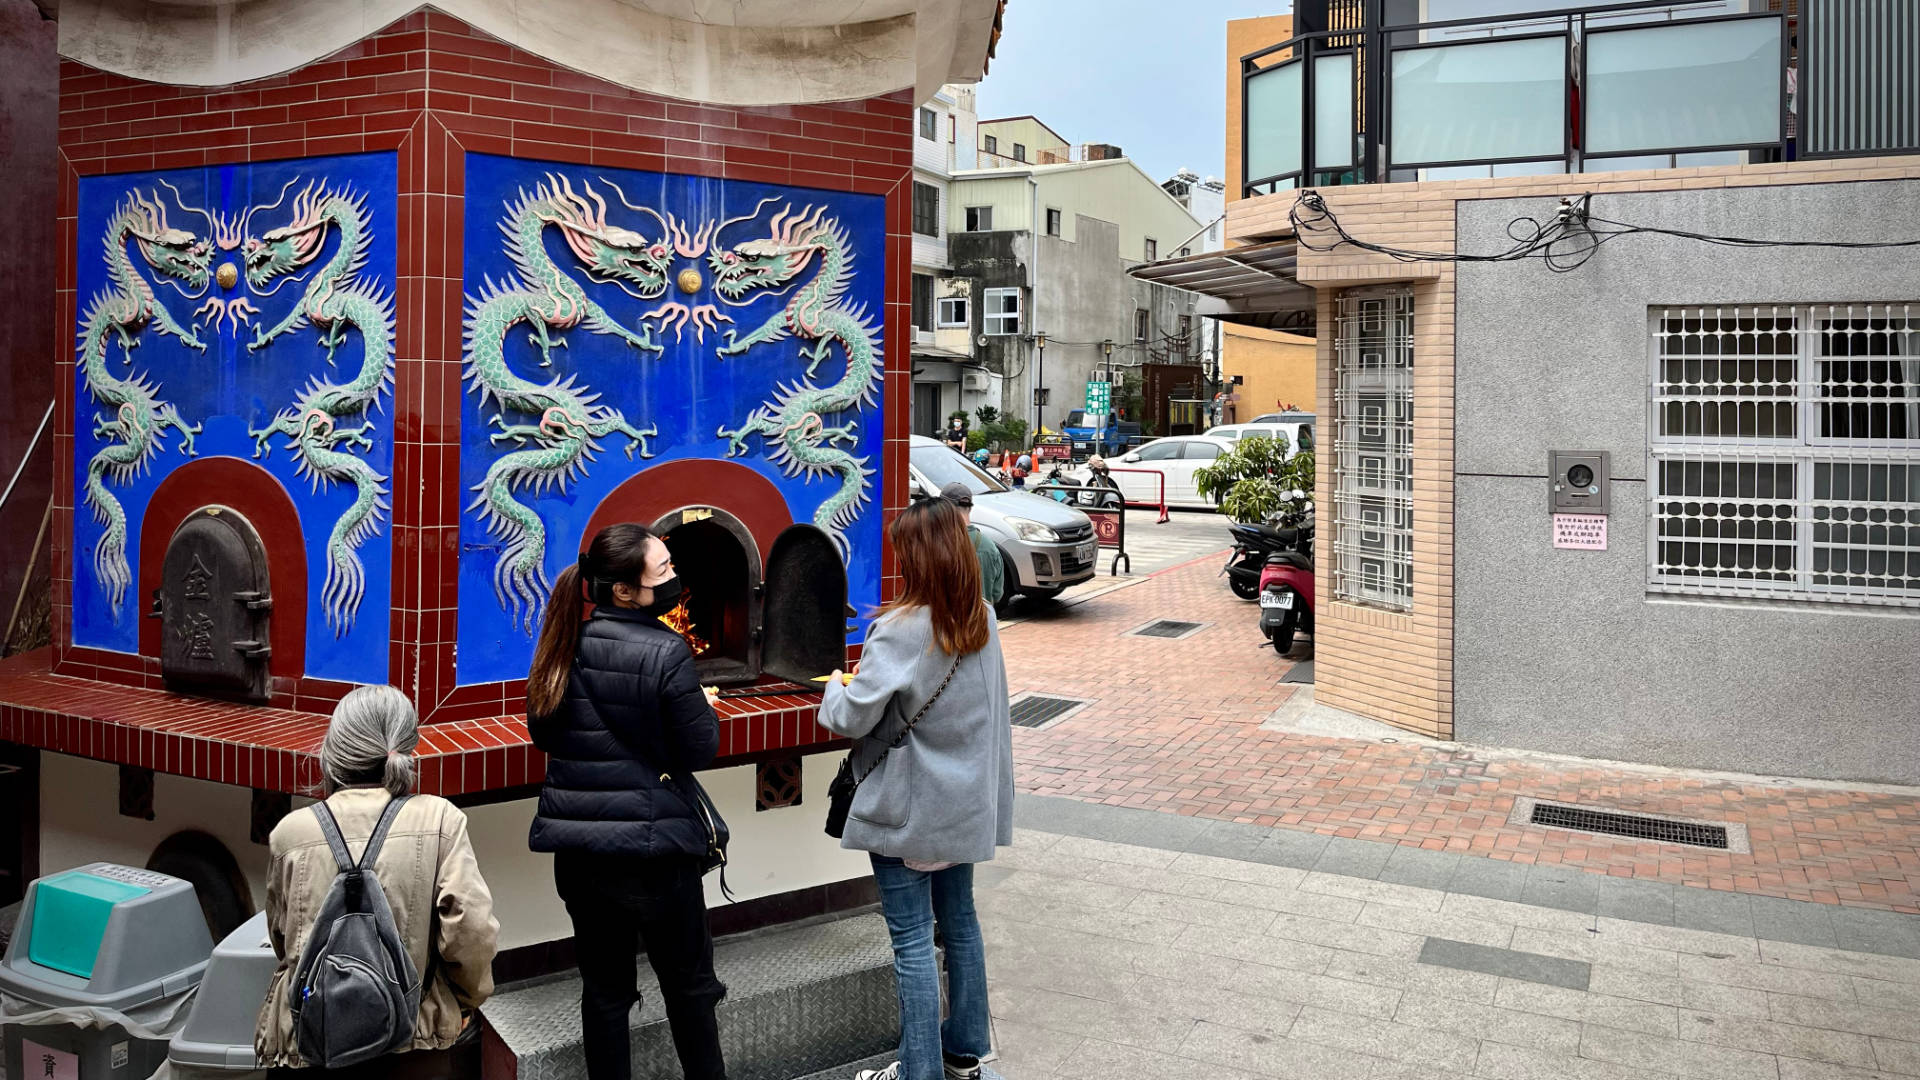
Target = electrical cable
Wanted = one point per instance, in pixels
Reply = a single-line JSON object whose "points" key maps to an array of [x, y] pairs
{"points": [[1563, 244]]}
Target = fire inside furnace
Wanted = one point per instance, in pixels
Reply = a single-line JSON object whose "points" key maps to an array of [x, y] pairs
{"points": [[680, 621]]}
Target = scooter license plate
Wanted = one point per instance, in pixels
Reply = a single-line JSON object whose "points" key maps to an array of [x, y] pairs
{"points": [[1276, 600]]}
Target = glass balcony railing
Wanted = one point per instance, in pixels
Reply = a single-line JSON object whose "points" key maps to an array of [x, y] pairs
{"points": [[1607, 86]]}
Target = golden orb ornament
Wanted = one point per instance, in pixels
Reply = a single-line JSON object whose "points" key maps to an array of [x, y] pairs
{"points": [[689, 280], [228, 275]]}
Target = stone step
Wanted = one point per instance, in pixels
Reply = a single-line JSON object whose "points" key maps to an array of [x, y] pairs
{"points": [[799, 1000]]}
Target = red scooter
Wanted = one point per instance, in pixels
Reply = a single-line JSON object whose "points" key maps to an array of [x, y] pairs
{"points": [[1286, 590]]}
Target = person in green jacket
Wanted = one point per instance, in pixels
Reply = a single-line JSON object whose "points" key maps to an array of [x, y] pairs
{"points": [[993, 572]]}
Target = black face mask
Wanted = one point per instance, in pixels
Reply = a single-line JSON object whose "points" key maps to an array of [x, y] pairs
{"points": [[666, 597]]}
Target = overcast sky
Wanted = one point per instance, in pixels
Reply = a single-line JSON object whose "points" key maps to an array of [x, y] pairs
{"points": [[1147, 75]]}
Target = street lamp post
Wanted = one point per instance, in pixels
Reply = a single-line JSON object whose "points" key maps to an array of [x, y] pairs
{"points": [[1040, 383], [1107, 421]]}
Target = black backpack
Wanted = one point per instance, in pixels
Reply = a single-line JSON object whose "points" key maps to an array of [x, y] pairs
{"points": [[355, 992]]}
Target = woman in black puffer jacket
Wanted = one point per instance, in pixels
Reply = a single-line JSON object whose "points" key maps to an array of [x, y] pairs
{"points": [[614, 702]]}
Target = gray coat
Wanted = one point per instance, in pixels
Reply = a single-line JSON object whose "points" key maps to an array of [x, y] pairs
{"points": [[946, 793]]}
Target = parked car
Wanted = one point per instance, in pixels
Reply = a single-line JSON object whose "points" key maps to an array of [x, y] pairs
{"points": [[1044, 544], [1297, 427], [1178, 457]]}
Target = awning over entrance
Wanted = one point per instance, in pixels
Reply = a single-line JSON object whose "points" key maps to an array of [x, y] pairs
{"points": [[1253, 285]]}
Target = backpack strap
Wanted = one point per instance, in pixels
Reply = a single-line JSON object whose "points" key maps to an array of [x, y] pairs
{"points": [[342, 855], [330, 829], [380, 828]]}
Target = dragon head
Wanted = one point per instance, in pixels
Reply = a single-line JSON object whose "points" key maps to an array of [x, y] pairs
{"points": [[175, 253], [772, 261], [609, 252], [292, 246]]}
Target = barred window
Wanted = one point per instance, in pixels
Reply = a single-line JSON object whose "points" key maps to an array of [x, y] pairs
{"points": [[926, 209], [1784, 452], [1373, 448]]}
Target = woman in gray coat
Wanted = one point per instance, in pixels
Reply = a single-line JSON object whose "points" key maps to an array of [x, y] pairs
{"points": [[935, 799]]}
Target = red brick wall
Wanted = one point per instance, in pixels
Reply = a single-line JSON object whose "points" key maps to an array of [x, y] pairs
{"points": [[432, 88]]}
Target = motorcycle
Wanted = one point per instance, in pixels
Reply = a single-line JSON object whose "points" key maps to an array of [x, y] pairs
{"points": [[1286, 594], [1056, 486], [1254, 543]]}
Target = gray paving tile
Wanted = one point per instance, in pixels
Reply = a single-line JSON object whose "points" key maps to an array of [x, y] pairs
{"points": [[1281, 1057], [1096, 1059], [1888, 933], [1174, 832], [1623, 982], [1249, 944], [1886, 995], [988, 875], [1773, 978], [1026, 1049], [1248, 1012], [1559, 887], [1367, 939], [1321, 991], [1353, 858], [1491, 1022], [1589, 1008], [1655, 1052], [1114, 1021], [1069, 817], [1433, 924], [1898, 969], [1506, 963], [1802, 1069], [1778, 919], [1640, 901], [1419, 867], [1501, 1062], [1285, 847], [1400, 1042], [1226, 839], [1726, 1000], [1112, 851], [1719, 912], [1790, 1040], [1413, 977], [1401, 1070], [1495, 879], [1846, 1016], [1581, 945], [1897, 1056]]}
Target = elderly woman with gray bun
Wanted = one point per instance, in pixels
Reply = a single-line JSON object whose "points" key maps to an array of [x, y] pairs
{"points": [[440, 904]]}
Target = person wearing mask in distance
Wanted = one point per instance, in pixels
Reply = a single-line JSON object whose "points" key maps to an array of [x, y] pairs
{"points": [[936, 798], [993, 572], [614, 702], [442, 909]]}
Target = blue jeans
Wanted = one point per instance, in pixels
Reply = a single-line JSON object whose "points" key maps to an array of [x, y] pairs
{"points": [[911, 902]]}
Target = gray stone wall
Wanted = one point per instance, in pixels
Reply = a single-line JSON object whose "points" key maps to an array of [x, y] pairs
{"points": [[1567, 651]]}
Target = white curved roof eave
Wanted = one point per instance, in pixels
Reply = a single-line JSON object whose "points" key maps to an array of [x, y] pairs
{"points": [[728, 52]]}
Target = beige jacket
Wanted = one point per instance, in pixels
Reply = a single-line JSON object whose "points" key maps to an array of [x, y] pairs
{"points": [[440, 905]]}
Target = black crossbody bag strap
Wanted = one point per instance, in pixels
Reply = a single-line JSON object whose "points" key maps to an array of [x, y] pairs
{"points": [[908, 728]]}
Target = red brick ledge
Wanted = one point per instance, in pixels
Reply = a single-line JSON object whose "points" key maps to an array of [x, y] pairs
{"points": [[276, 749]]}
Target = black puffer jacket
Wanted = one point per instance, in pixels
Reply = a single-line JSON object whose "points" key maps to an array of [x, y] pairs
{"points": [[634, 709]]}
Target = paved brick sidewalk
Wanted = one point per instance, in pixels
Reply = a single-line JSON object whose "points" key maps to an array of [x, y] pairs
{"points": [[1121, 960], [1175, 726]]}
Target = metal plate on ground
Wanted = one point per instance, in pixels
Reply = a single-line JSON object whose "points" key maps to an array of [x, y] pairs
{"points": [[1044, 710], [1726, 836], [1171, 629]]}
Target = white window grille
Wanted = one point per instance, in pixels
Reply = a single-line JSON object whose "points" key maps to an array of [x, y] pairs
{"points": [[1001, 315], [1373, 448], [1784, 452]]}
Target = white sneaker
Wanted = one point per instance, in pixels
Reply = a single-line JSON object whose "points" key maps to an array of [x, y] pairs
{"points": [[961, 1068], [891, 1072]]}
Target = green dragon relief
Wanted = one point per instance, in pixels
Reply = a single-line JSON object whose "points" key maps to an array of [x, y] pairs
{"points": [[564, 436], [136, 419], [793, 424], [316, 424]]}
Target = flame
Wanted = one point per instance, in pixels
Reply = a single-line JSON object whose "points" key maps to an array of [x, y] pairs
{"points": [[680, 621]]}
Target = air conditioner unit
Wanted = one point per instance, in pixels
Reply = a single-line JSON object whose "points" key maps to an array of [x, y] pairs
{"points": [[974, 380]]}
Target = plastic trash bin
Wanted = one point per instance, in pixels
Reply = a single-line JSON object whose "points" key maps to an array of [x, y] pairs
{"points": [[217, 1043], [99, 963]]}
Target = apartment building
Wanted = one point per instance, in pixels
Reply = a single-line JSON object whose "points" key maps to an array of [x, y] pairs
{"points": [[1618, 371]]}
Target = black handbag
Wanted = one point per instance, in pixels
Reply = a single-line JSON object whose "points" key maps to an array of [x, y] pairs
{"points": [[840, 792]]}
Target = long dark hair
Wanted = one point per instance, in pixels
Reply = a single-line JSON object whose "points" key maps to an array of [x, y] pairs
{"points": [[618, 555], [940, 572]]}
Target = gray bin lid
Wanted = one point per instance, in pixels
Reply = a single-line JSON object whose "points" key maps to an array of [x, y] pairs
{"points": [[219, 1031], [154, 946]]}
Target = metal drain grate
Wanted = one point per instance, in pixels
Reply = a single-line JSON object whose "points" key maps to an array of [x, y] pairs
{"points": [[1039, 710], [1167, 628], [1634, 826]]}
